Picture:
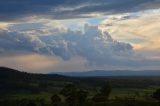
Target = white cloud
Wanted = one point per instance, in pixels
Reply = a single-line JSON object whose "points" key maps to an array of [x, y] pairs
{"points": [[139, 28], [4, 25]]}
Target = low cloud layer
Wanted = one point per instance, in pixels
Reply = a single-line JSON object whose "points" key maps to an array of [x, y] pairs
{"points": [[36, 63]]}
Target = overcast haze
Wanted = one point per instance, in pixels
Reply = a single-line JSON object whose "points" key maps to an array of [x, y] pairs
{"points": [[79, 35]]}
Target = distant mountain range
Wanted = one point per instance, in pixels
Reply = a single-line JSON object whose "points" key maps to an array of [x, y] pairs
{"points": [[11, 73], [110, 73]]}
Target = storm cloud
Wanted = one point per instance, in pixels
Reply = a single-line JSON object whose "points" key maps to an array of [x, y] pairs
{"points": [[97, 47]]}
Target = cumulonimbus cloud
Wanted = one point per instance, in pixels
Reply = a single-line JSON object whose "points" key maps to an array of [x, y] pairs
{"points": [[92, 44], [97, 48]]}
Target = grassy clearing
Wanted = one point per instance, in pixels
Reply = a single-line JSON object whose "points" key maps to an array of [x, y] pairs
{"points": [[30, 96], [132, 92]]}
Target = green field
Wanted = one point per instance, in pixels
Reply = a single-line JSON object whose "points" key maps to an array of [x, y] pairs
{"points": [[116, 92]]}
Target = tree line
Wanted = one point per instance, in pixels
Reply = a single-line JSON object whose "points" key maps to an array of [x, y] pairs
{"points": [[71, 95]]}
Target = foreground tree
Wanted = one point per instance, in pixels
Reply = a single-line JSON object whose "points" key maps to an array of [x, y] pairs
{"points": [[74, 96], [68, 90], [106, 90], [156, 94], [81, 97], [31, 103], [103, 94], [56, 100], [42, 102]]}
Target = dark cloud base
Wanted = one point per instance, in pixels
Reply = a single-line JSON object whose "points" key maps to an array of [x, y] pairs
{"points": [[65, 9]]}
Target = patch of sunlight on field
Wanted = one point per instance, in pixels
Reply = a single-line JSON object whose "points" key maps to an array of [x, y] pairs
{"points": [[44, 95], [131, 92]]}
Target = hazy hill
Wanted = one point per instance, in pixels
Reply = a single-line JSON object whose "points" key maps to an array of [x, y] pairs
{"points": [[16, 81], [12, 74], [12, 81]]}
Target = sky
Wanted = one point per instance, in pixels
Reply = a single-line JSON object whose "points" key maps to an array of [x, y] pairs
{"points": [[43, 36]]}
